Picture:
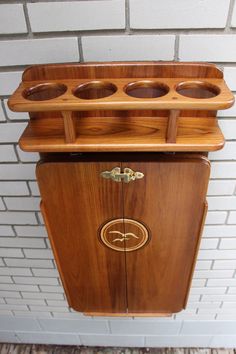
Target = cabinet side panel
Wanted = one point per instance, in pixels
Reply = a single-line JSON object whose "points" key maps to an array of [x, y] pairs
{"points": [[169, 201], [77, 201]]}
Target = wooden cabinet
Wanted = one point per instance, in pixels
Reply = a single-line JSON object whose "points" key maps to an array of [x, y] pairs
{"points": [[123, 176], [125, 247]]}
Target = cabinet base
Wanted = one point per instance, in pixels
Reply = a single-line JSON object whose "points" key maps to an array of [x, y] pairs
{"points": [[128, 314]]}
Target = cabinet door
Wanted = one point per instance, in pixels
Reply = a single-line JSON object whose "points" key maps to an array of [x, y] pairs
{"points": [[76, 202], [169, 201]]}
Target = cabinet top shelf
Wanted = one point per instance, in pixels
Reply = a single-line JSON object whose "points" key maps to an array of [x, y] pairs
{"points": [[118, 106]]}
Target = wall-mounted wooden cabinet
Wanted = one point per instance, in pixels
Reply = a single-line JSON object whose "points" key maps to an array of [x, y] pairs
{"points": [[123, 176], [125, 246]]}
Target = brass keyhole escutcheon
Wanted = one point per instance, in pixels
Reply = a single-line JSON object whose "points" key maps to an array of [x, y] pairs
{"points": [[124, 235], [127, 176]]}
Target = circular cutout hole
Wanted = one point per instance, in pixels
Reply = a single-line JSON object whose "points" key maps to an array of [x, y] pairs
{"points": [[94, 90], [197, 89], [44, 92], [146, 89]]}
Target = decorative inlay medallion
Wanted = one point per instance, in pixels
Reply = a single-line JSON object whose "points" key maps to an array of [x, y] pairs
{"points": [[124, 235]]}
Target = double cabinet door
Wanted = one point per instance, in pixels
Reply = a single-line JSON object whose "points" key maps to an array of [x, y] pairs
{"points": [[125, 244]]}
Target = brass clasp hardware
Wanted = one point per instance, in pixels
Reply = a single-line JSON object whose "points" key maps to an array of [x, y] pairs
{"points": [[116, 175]]}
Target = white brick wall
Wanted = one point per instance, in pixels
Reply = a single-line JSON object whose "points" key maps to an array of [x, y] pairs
{"points": [[33, 307]]}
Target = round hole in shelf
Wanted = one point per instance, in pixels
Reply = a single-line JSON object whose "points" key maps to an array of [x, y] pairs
{"points": [[44, 92], [197, 89], [94, 90], [146, 89]]}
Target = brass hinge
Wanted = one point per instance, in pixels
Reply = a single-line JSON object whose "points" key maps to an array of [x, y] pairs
{"points": [[116, 175]]}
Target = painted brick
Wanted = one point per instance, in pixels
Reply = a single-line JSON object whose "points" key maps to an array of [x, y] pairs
{"points": [[25, 302], [232, 291], [40, 263], [8, 337], [6, 230], [221, 282], [207, 244], [11, 132], [21, 242], [45, 272], [7, 154], [208, 291], [48, 308], [17, 172], [112, 340], [7, 252], [208, 327], [22, 203], [15, 115], [48, 338], [34, 51], [1, 262], [216, 217], [41, 295], [228, 127], [51, 289], [10, 294], [232, 217], [221, 187], [34, 188], [207, 47], [223, 170], [203, 265], [2, 115], [224, 264], [203, 305], [219, 231], [230, 77], [198, 283], [9, 82], [15, 287], [191, 14], [27, 156], [222, 203], [12, 19], [5, 279], [15, 271], [144, 327], [41, 254], [212, 297], [10, 217], [31, 231], [76, 16], [213, 273], [223, 341], [178, 341], [228, 243], [21, 324], [217, 254], [75, 326], [13, 188], [35, 280], [13, 307], [154, 47], [31, 314], [2, 206]]}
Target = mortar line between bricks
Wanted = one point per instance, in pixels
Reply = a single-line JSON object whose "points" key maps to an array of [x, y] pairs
{"points": [[81, 54], [127, 16], [230, 14], [27, 20]]}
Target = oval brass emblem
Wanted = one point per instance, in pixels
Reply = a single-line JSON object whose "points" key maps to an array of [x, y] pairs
{"points": [[124, 235]]}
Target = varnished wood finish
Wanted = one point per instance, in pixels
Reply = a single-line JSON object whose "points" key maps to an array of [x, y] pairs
{"points": [[120, 100], [172, 126], [76, 202], [110, 102], [170, 200], [123, 134]]}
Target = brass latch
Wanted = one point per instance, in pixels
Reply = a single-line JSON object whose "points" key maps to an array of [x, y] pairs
{"points": [[116, 175]]}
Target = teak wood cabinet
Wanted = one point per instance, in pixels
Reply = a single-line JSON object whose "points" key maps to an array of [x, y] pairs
{"points": [[123, 176]]}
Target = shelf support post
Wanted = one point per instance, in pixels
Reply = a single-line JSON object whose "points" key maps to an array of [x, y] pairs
{"points": [[172, 126], [69, 126]]}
